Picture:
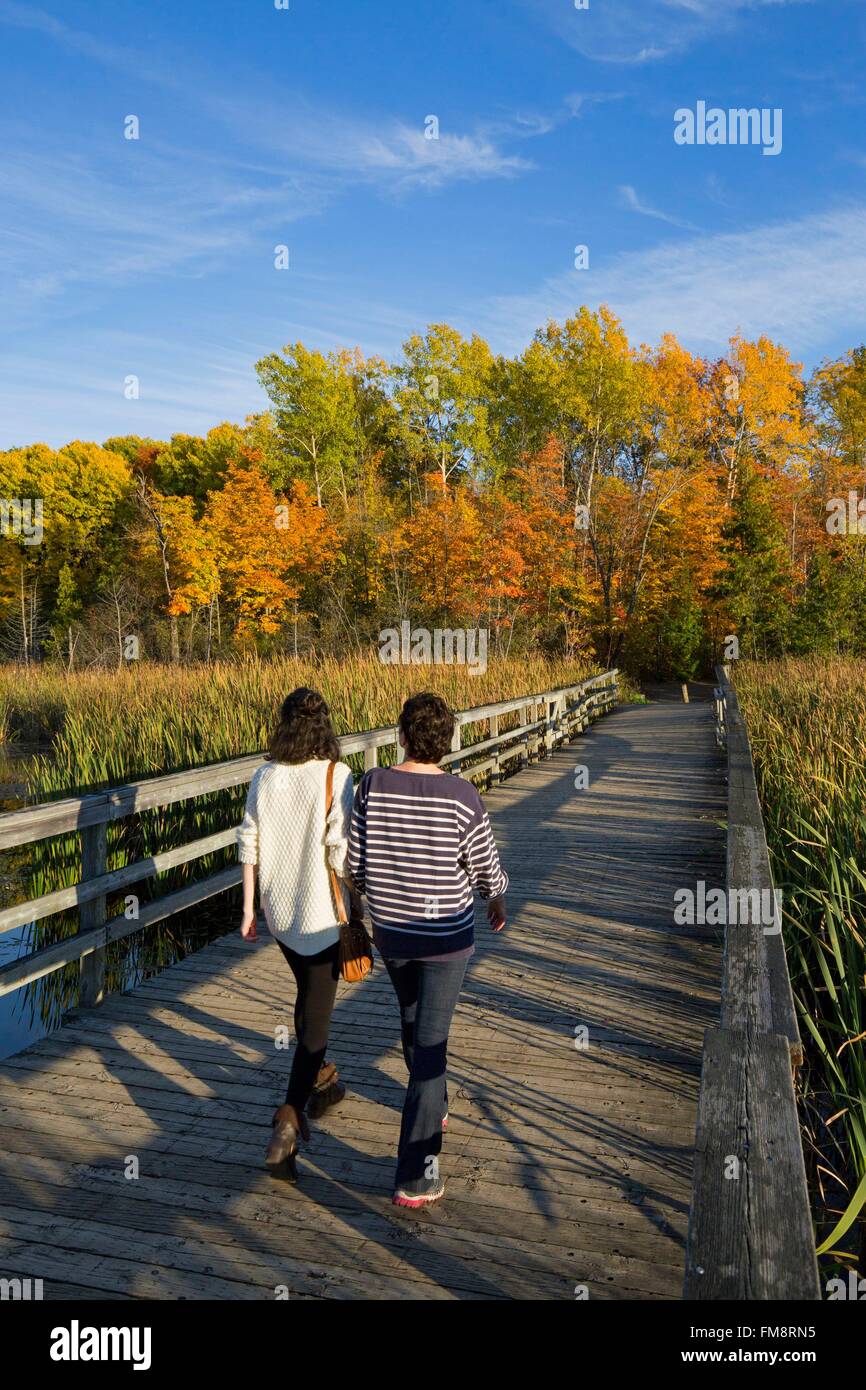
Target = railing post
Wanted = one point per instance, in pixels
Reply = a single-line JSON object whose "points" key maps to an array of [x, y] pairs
{"points": [[370, 757], [494, 733], [94, 861], [456, 744], [583, 712]]}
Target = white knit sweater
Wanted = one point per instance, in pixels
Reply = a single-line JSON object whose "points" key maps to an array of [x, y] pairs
{"points": [[283, 832]]}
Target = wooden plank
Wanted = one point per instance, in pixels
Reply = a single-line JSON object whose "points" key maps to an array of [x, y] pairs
{"points": [[750, 1232], [756, 987], [91, 917]]}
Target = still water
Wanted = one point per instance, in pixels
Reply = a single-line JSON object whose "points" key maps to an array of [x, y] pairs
{"points": [[35, 1010]]}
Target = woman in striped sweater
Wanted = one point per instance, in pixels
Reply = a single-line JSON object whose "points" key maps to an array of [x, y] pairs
{"points": [[420, 843]]}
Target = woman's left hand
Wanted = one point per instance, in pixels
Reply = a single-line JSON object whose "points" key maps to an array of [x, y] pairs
{"points": [[496, 913]]}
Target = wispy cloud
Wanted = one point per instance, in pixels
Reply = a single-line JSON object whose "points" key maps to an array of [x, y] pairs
{"points": [[802, 281], [629, 199], [29, 17], [387, 150], [634, 32], [70, 222], [388, 153], [404, 155]]}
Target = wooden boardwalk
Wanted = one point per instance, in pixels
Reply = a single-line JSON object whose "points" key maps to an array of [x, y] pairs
{"points": [[564, 1166]]}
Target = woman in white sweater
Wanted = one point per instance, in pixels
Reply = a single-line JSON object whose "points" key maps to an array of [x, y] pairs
{"points": [[284, 839]]}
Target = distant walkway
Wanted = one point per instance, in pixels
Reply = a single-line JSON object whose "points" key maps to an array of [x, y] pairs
{"points": [[563, 1167]]}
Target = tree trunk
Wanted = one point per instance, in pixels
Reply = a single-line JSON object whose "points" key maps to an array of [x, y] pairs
{"points": [[119, 631], [24, 637]]}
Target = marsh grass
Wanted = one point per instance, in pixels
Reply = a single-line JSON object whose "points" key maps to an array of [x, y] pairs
{"points": [[807, 725]]}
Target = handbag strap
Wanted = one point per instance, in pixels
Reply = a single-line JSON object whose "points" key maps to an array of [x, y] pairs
{"points": [[335, 882]]}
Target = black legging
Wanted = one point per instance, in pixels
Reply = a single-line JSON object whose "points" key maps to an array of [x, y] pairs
{"points": [[316, 978]]}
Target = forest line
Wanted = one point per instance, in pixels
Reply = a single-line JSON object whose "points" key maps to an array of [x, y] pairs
{"points": [[589, 498]]}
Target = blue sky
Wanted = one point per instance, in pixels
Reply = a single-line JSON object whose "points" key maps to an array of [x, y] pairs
{"points": [[305, 127]]}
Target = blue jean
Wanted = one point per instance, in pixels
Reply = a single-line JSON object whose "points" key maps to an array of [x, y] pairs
{"points": [[427, 994]]}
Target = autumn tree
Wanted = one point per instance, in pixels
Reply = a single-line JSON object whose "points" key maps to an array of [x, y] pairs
{"points": [[313, 402], [442, 396], [269, 550]]}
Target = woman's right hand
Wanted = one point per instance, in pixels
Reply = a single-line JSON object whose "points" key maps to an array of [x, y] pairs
{"points": [[248, 926]]}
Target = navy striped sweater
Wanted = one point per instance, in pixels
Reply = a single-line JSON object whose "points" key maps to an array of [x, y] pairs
{"points": [[419, 844]]}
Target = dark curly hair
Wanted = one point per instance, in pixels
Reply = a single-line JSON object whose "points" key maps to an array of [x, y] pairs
{"points": [[427, 724], [305, 730]]}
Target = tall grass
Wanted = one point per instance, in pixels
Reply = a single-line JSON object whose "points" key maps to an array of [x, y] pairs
{"points": [[100, 729], [807, 724], [105, 729]]}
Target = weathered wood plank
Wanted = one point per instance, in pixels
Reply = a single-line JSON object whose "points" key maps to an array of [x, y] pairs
{"points": [[750, 1234], [756, 987]]}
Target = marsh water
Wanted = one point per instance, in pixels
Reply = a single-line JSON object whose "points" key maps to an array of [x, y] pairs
{"points": [[35, 1010]]}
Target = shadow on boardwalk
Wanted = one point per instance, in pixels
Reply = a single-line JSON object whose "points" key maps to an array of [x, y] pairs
{"points": [[564, 1165]]}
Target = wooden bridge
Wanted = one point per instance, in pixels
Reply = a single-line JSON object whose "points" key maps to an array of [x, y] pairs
{"points": [[131, 1139]]}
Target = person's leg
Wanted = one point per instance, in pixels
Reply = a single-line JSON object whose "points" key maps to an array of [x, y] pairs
{"points": [[404, 977], [316, 978], [438, 988]]}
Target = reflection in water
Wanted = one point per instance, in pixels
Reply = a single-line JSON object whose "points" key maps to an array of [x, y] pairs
{"points": [[27, 872]]}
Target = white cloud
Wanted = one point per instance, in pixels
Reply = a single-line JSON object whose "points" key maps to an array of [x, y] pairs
{"points": [[389, 153], [405, 155], [802, 282], [630, 200], [641, 31]]}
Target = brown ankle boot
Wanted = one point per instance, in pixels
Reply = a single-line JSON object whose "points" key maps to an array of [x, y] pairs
{"points": [[327, 1091], [327, 1073], [287, 1123]]}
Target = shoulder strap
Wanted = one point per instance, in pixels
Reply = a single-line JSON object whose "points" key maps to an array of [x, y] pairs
{"points": [[335, 882]]}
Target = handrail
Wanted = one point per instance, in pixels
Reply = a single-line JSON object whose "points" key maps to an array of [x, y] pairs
{"points": [[750, 1228], [547, 718]]}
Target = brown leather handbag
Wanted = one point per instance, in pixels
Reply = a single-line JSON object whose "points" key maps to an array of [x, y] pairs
{"points": [[356, 948]]}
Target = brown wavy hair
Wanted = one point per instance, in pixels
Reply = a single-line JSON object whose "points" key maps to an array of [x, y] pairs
{"points": [[304, 730], [427, 724]]}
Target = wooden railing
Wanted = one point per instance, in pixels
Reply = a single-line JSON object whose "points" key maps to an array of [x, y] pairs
{"points": [[750, 1228], [544, 720]]}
